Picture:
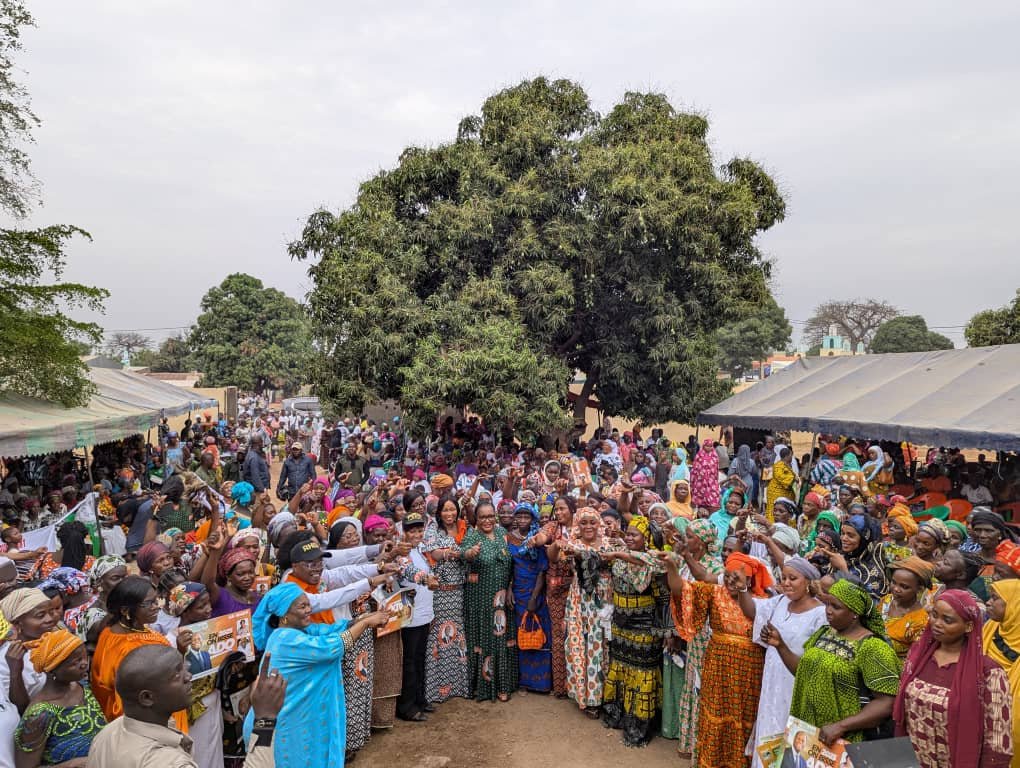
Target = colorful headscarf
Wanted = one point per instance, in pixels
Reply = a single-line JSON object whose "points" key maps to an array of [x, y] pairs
{"points": [[995, 520], [69, 581], [242, 493], [706, 532], [247, 533], [815, 498], [103, 566], [182, 596], [787, 536], [374, 522], [644, 526], [936, 529], [1008, 554], [902, 515], [830, 517], [52, 649], [960, 528], [751, 566], [276, 602], [167, 537], [5, 628], [230, 559], [803, 567], [278, 521], [856, 598], [966, 694], [149, 554]]}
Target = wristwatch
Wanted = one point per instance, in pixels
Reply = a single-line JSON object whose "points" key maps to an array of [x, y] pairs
{"points": [[262, 729]]}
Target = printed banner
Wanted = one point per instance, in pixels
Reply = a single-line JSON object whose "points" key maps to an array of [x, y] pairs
{"points": [[214, 640], [805, 750], [400, 604], [580, 473]]}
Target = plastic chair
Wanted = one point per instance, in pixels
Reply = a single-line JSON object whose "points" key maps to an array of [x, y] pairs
{"points": [[927, 500], [940, 513], [959, 509], [1009, 511]]}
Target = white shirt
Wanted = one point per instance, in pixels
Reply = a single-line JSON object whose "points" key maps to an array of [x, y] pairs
{"points": [[423, 610]]}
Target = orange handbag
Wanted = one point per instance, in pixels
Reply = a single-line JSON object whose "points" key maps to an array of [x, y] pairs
{"points": [[530, 636]]}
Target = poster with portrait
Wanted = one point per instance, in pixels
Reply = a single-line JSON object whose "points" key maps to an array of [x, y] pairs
{"points": [[400, 605], [580, 473], [214, 640], [804, 749]]}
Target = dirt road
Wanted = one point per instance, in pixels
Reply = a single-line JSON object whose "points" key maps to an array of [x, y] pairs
{"points": [[527, 732]]}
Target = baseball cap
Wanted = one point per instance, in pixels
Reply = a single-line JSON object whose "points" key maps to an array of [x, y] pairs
{"points": [[306, 551], [412, 519], [296, 444]]}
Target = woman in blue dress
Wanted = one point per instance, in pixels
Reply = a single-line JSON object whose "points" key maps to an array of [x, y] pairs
{"points": [[311, 729], [528, 589]]}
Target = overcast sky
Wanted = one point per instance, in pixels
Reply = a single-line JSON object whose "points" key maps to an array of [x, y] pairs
{"points": [[193, 138]]}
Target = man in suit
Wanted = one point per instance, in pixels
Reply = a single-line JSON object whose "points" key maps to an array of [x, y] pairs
{"points": [[198, 660]]}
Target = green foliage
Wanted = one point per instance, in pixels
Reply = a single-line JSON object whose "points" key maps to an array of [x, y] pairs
{"points": [[39, 344], [546, 232], [249, 336], [171, 357], [908, 333], [753, 337], [995, 326]]}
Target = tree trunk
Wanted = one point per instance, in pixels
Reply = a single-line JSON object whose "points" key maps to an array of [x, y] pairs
{"points": [[582, 399]]}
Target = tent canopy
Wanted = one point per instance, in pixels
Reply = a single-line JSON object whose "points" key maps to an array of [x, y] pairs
{"points": [[125, 404], [967, 398]]}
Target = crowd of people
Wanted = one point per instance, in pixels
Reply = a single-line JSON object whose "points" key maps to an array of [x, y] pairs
{"points": [[700, 593]]}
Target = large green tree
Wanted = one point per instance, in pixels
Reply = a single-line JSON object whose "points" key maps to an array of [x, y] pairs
{"points": [[39, 342], [754, 337], [250, 336], [995, 326], [171, 356], [908, 333], [545, 239]]}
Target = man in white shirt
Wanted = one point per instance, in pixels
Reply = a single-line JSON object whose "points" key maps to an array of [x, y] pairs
{"points": [[974, 492]]}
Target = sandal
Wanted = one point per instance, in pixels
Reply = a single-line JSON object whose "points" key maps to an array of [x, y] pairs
{"points": [[503, 697], [592, 714]]}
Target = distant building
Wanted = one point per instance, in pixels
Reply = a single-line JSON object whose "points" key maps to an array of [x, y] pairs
{"points": [[834, 345], [762, 369]]}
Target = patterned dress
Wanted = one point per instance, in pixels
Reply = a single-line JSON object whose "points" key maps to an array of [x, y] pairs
{"points": [[903, 631], [446, 670], [632, 697], [491, 637], [558, 581], [926, 701], [731, 673], [357, 666], [827, 688], [688, 691], [68, 730], [585, 651], [535, 666]]}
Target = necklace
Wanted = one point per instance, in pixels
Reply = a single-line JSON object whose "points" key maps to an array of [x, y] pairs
{"points": [[129, 628]]}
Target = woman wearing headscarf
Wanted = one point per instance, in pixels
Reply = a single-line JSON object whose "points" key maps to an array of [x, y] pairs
{"points": [[528, 590], [722, 518], [492, 660], [743, 466], [153, 559], [784, 479], [700, 561], [902, 528], [558, 578], [74, 552], [705, 490], [930, 540], [954, 701], [107, 572], [989, 531], [732, 669], [189, 603], [679, 501], [311, 729], [674, 672], [59, 724], [782, 624], [229, 575], [1001, 644], [905, 609], [843, 662], [632, 697], [26, 616], [680, 470], [586, 651], [862, 553]]}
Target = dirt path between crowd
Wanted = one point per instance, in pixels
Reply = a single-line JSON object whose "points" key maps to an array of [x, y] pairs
{"points": [[530, 730]]}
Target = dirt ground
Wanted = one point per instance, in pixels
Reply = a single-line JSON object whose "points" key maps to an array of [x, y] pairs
{"points": [[529, 731]]}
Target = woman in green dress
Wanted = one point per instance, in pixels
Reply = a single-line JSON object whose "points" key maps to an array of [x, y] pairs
{"points": [[842, 662], [491, 635]]}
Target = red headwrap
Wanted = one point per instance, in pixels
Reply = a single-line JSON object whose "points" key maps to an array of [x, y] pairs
{"points": [[231, 559], [1008, 554], [966, 695], [752, 567]]}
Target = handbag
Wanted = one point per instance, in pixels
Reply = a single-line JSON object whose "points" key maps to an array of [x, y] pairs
{"points": [[530, 636]]}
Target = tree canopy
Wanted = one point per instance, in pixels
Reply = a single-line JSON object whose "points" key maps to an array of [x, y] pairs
{"points": [[995, 326], [171, 356], [39, 343], [856, 320], [753, 338], [247, 335], [908, 333], [130, 343], [545, 239]]}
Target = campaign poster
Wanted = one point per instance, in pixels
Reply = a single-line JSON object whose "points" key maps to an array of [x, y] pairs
{"points": [[214, 640], [805, 750], [400, 605], [580, 473]]}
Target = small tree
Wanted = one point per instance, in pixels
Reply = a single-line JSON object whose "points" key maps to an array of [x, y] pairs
{"points": [[130, 343], [995, 326], [754, 337], [908, 333], [856, 320]]}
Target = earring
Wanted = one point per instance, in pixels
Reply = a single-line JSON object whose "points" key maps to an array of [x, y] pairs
{"points": [[283, 622]]}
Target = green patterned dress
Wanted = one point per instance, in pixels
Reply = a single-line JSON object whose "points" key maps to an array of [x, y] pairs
{"points": [[827, 687], [63, 733], [488, 625]]}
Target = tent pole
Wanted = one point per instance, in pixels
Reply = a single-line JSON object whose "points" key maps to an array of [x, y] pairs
{"points": [[92, 485]]}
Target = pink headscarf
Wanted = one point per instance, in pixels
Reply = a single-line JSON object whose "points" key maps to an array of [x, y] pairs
{"points": [[705, 478], [376, 521]]}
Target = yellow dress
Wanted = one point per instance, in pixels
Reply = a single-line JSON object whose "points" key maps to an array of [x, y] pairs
{"points": [[1001, 642]]}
